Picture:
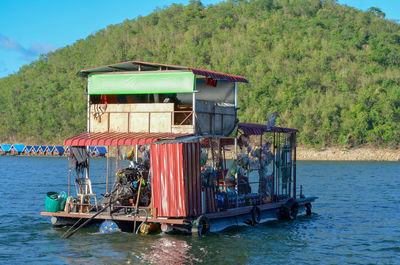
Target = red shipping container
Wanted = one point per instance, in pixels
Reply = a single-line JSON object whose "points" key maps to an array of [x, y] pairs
{"points": [[176, 179]]}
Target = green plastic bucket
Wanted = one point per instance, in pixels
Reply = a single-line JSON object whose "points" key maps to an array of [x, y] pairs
{"points": [[52, 202], [63, 200]]}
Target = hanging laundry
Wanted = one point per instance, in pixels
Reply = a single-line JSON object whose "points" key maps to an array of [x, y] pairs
{"points": [[211, 82]]}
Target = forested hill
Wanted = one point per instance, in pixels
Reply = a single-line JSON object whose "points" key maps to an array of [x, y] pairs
{"points": [[329, 70]]}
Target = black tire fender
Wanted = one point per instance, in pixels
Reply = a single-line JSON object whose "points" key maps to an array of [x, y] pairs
{"points": [[308, 208], [289, 210], [201, 226], [294, 211], [255, 215]]}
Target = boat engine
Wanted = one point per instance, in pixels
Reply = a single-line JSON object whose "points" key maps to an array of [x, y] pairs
{"points": [[126, 187]]}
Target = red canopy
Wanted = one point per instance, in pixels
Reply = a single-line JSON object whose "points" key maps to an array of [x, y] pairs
{"points": [[258, 129], [113, 138]]}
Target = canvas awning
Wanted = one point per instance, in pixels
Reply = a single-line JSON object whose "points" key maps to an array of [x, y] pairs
{"points": [[141, 83], [113, 138]]}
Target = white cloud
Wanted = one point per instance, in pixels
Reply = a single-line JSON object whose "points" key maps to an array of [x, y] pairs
{"points": [[42, 47], [8, 44], [29, 54]]}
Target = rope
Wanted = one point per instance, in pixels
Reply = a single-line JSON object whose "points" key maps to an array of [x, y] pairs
{"points": [[137, 203], [145, 221], [69, 229], [66, 235], [87, 221]]}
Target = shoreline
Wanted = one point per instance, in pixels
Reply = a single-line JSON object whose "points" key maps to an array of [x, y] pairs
{"points": [[352, 154], [334, 154]]}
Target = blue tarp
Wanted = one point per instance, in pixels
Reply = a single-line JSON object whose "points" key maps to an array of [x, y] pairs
{"points": [[101, 150], [42, 148], [59, 149], [28, 148], [35, 148], [18, 147], [50, 148], [92, 149], [6, 147]]}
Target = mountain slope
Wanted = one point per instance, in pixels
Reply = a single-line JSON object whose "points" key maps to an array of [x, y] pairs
{"points": [[329, 70]]}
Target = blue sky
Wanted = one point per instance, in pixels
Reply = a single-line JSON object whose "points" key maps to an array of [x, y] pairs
{"points": [[29, 28]]}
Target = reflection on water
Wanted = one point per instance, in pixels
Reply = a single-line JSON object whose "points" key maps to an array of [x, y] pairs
{"points": [[89, 246], [168, 250], [355, 220]]}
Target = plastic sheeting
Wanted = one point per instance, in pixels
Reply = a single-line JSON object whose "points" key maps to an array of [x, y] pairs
{"points": [[224, 92], [175, 179]]}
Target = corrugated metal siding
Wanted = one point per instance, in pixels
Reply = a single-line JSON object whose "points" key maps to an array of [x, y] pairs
{"points": [[175, 179], [192, 159]]}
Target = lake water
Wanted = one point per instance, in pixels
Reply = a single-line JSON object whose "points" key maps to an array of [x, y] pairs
{"points": [[356, 220]]}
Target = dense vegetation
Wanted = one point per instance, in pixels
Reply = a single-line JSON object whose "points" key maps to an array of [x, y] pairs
{"points": [[330, 70]]}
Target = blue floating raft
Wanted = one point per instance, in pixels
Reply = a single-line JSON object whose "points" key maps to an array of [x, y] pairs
{"points": [[108, 227]]}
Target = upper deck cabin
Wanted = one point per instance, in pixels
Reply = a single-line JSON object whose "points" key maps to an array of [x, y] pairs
{"points": [[141, 97]]}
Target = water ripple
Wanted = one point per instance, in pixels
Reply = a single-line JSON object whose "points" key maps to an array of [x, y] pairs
{"points": [[354, 221]]}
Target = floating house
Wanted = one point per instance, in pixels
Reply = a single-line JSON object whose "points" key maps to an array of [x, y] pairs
{"points": [[98, 151], [20, 149], [92, 150], [58, 150], [35, 150], [101, 151], [28, 149], [6, 148], [42, 150], [67, 150], [17, 149], [194, 168], [50, 150]]}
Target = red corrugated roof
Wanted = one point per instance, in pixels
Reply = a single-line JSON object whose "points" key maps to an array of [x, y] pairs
{"points": [[217, 75], [133, 66], [258, 129], [113, 138]]}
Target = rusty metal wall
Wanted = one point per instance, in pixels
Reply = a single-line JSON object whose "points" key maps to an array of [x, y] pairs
{"points": [[175, 179]]}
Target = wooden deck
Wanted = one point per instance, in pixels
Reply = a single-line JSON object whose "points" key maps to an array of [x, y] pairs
{"points": [[115, 217], [131, 218], [243, 210]]}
